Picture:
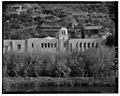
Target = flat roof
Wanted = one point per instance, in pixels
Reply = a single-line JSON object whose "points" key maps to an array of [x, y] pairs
{"points": [[92, 27]]}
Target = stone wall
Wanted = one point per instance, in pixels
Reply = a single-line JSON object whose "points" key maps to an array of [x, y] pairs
{"points": [[19, 46], [50, 45], [7, 45], [42, 45], [83, 44]]}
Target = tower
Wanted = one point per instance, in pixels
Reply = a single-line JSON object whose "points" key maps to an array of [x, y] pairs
{"points": [[63, 39]]}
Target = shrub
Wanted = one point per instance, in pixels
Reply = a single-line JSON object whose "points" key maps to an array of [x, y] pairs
{"points": [[61, 70]]}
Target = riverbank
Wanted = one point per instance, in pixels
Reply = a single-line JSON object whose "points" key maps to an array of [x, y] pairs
{"points": [[18, 83]]}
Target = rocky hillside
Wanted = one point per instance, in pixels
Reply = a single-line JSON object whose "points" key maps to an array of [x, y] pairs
{"points": [[26, 20]]}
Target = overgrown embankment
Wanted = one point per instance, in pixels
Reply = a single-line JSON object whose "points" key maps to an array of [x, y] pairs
{"points": [[19, 83]]}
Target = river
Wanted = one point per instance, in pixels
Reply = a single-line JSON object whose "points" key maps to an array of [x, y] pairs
{"points": [[65, 90]]}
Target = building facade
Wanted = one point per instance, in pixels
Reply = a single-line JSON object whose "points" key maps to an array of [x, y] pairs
{"points": [[62, 42]]}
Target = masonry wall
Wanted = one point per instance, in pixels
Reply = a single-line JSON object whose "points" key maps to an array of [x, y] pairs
{"points": [[82, 44], [42, 45], [7, 45], [7, 42], [19, 46], [49, 45]]}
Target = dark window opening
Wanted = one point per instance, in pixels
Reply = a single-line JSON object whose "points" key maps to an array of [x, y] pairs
{"points": [[76, 45], [45, 45], [54, 44], [85, 45], [93, 44], [81, 45], [96, 44], [48, 45], [42, 45], [19, 46], [32, 45], [64, 44], [51, 45], [63, 32], [88, 44], [71, 46]]}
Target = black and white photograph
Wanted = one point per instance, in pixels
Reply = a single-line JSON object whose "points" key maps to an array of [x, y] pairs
{"points": [[59, 47]]}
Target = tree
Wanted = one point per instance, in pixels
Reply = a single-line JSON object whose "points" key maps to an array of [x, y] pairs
{"points": [[111, 41], [99, 62]]}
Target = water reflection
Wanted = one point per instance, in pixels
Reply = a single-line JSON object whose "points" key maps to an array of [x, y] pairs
{"points": [[67, 89]]}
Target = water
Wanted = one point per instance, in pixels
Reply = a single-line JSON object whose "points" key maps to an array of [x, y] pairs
{"points": [[67, 89]]}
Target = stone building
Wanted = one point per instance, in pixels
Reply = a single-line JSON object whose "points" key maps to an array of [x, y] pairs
{"points": [[61, 42]]}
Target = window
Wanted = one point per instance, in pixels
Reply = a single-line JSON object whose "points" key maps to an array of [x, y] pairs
{"points": [[85, 44], [19, 46], [51, 45], [54, 44], [63, 32], [76, 45], [65, 44], [32, 45], [71, 46], [48, 45], [88, 44], [45, 45], [42, 45], [93, 44], [81, 45], [96, 44]]}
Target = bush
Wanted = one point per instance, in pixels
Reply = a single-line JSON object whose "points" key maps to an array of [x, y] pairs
{"points": [[61, 70]]}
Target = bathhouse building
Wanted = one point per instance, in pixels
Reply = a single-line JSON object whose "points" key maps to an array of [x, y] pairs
{"points": [[61, 42]]}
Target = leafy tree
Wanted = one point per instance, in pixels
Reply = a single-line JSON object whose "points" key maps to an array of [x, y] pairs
{"points": [[111, 41], [99, 62]]}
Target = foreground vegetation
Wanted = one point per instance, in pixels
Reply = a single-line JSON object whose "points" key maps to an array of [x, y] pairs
{"points": [[94, 67], [95, 62]]}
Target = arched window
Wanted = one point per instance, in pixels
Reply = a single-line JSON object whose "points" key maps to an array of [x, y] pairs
{"points": [[42, 45], [96, 44], [45, 45], [32, 45], [48, 45], [76, 45], [51, 45], [19, 46], [93, 44], [55, 45], [88, 44], [85, 45], [63, 32], [80, 44], [71, 46]]}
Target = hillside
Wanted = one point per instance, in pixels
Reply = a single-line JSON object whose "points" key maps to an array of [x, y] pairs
{"points": [[26, 20]]}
